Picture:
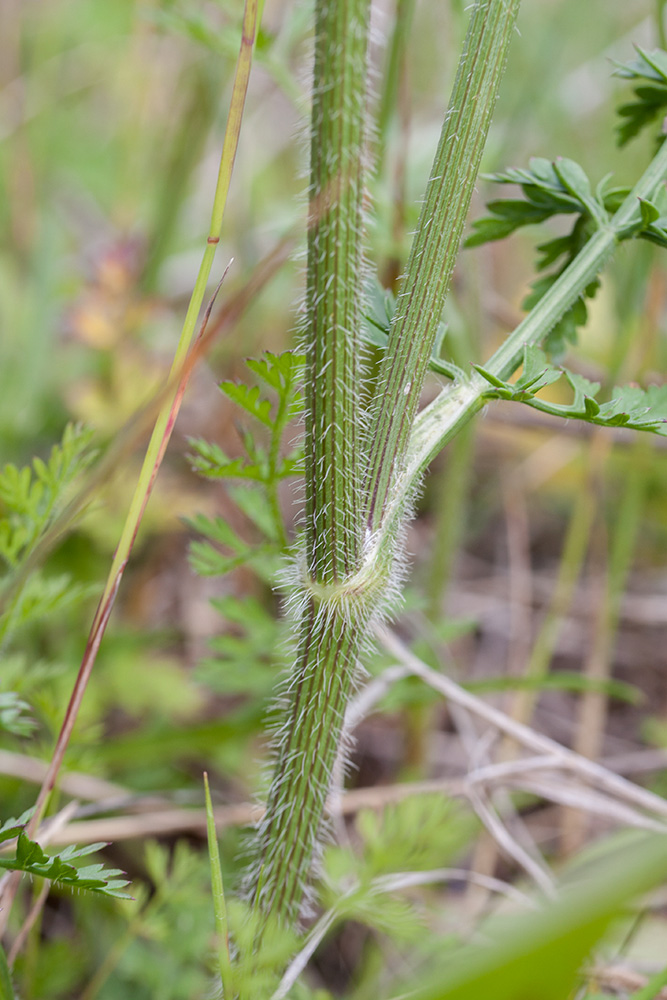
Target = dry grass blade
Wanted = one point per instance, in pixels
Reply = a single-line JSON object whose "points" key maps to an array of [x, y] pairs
{"points": [[164, 822], [621, 788], [533, 867]]}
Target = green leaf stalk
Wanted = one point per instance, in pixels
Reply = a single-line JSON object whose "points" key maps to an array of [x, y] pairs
{"points": [[347, 572]]}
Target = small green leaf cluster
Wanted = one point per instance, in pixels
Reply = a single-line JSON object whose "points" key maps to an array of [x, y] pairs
{"points": [[557, 188], [248, 650], [629, 406], [258, 977], [31, 498], [650, 69], [420, 834], [31, 859], [417, 834], [207, 557], [263, 464], [14, 717], [262, 469], [551, 189]]}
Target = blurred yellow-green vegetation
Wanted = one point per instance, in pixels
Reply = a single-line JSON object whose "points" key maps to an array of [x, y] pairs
{"points": [[538, 548]]}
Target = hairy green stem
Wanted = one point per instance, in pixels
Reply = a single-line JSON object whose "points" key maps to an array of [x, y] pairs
{"points": [[436, 244], [437, 424], [327, 646], [346, 577], [333, 288], [309, 744]]}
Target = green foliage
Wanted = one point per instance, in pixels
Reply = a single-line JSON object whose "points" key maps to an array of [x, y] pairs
{"points": [[540, 955], [263, 469], [33, 497], [58, 868], [420, 834], [157, 945], [654, 218], [562, 187], [209, 561], [653, 987], [630, 406], [379, 309], [551, 189], [417, 834], [257, 971], [282, 374], [14, 717], [245, 655], [650, 69]]}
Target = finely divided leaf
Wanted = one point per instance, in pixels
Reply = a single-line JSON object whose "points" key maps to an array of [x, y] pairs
{"points": [[249, 398], [32, 859], [650, 95], [629, 406], [550, 189]]}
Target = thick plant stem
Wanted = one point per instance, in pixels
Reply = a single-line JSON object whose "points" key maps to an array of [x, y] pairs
{"points": [[333, 288], [435, 247], [308, 749], [333, 597], [346, 576]]}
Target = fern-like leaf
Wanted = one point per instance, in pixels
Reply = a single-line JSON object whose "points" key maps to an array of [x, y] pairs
{"points": [[562, 187], [30, 498], [629, 406], [649, 70], [14, 715], [31, 859]]}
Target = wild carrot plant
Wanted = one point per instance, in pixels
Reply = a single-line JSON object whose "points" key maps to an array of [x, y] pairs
{"points": [[366, 448], [363, 463]]}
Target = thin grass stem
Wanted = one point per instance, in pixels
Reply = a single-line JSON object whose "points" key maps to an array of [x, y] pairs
{"points": [[169, 409], [219, 905]]}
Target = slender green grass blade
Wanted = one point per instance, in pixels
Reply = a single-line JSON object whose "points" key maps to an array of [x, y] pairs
{"points": [[180, 371], [540, 955], [653, 986], [219, 905], [6, 988]]}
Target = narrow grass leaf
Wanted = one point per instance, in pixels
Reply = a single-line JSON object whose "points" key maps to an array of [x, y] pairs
{"points": [[6, 988], [540, 955], [219, 905]]}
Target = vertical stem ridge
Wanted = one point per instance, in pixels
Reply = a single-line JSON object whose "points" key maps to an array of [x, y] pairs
{"points": [[330, 627], [333, 289], [298, 793], [433, 253]]}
